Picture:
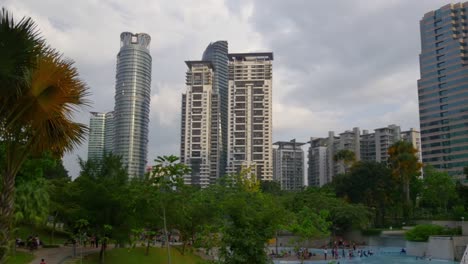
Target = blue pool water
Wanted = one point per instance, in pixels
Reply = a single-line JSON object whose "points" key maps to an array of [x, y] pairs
{"points": [[381, 256]]}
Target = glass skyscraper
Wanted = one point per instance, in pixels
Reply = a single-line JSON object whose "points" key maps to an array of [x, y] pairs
{"points": [[443, 88], [101, 134], [132, 101], [217, 54]]}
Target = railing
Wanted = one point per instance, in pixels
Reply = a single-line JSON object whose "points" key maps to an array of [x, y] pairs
{"points": [[465, 257]]}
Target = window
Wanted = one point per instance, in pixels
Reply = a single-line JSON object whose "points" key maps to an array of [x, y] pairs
{"points": [[240, 127], [197, 89], [240, 142]]}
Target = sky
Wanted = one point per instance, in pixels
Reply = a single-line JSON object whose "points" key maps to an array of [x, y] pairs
{"points": [[338, 64]]}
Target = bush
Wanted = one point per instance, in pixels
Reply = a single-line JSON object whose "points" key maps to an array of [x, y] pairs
{"points": [[371, 232], [421, 233]]}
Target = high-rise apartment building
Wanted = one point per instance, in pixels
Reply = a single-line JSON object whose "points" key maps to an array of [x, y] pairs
{"points": [[101, 134], [366, 147], [317, 173], [132, 101], [200, 125], [250, 114], [443, 88], [217, 54], [288, 165]]}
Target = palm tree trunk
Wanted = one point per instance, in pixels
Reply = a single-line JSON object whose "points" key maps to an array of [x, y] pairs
{"points": [[7, 203]]}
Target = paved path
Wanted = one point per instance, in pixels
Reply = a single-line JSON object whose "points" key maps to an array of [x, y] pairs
{"points": [[57, 255]]}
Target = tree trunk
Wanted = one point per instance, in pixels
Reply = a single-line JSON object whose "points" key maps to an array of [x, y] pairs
{"points": [[7, 203], [147, 247], [101, 252]]}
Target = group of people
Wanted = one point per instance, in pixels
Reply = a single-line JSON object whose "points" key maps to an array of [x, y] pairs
{"points": [[341, 245], [33, 242], [92, 240]]}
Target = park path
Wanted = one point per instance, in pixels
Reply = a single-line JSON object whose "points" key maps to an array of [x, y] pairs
{"points": [[58, 255]]}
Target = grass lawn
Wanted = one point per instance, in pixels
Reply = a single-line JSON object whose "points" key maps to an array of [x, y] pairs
{"points": [[20, 258], [23, 231], [137, 256]]}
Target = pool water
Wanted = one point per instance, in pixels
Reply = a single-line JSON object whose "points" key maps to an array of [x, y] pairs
{"points": [[381, 255]]}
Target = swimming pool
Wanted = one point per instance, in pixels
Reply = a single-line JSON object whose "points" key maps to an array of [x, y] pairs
{"points": [[381, 256]]}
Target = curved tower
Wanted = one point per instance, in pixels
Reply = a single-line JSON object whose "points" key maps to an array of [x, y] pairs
{"points": [[217, 54], [132, 101]]}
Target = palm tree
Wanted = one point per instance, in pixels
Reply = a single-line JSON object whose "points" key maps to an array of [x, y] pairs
{"points": [[39, 93]]}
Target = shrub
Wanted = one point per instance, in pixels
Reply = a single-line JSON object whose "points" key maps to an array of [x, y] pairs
{"points": [[421, 233]]}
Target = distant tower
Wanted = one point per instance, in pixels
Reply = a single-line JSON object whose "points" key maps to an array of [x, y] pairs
{"points": [[250, 114], [132, 101], [101, 134], [288, 165], [200, 125], [217, 53]]}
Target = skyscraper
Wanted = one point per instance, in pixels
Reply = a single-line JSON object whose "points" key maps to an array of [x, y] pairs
{"points": [[288, 165], [132, 101], [443, 88], [250, 114], [200, 125], [101, 134], [96, 139], [217, 53]]}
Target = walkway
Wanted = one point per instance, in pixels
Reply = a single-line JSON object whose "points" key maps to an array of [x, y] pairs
{"points": [[58, 255]]}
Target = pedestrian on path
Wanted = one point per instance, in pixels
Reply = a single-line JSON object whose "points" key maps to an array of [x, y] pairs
{"points": [[43, 261]]}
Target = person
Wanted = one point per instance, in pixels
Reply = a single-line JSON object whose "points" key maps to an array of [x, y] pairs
{"points": [[325, 253], [43, 261], [402, 251]]}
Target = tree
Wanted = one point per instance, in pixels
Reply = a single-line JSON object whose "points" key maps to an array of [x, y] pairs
{"points": [[342, 214], [438, 189], [39, 92], [308, 224], [405, 167], [465, 171], [250, 219], [347, 157], [370, 183], [167, 177]]}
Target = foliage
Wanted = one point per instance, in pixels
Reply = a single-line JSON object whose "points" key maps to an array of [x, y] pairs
{"points": [[371, 184], [39, 93], [342, 214], [347, 157], [421, 233], [439, 189], [32, 202], [309, 224], [405, 167], [250, 220]]}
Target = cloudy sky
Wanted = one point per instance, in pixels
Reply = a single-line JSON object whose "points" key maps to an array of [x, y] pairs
{"points": [[338, 64]]}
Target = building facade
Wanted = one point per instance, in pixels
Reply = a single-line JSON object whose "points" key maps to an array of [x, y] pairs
{"points": [[366, 147], [101, 134], [288, 165], [200, 125], [317, 173], [132, 101], [443, 88], [250, 114], [217, 54]]}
